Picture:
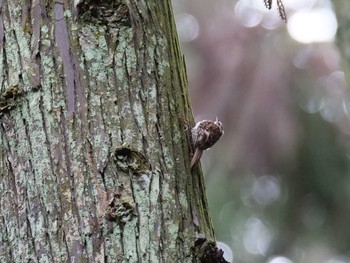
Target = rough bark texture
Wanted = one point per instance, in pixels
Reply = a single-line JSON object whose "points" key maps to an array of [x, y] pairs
{"points": [[94, 159]]}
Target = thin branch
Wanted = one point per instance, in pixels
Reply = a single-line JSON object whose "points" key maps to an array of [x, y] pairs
{"points": [[268, 3], [280, 8]]}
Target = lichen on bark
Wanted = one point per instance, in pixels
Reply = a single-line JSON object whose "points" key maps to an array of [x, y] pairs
{"points": [[94, 157]]}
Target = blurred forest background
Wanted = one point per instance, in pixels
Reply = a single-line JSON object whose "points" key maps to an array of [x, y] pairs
{"points": [[278, 182]]}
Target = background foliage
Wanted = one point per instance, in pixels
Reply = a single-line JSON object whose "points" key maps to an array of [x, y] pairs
{"points": [[278, 181]]}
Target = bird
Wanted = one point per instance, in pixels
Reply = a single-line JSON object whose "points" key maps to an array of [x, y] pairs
{"points": [[204, 135]]}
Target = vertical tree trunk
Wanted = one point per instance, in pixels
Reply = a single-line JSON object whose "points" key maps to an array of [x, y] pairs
{"points": [[343, 34], [94, 159]]}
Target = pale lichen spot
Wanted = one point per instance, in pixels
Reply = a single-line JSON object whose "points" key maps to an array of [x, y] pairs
{"points": [[67, 13], [44, 29]]}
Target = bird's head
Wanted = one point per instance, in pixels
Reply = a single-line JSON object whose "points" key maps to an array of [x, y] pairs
{"points": [[219, 124]]}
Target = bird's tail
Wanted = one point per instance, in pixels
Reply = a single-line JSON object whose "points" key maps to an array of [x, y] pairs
{"points": [[196, 157]]}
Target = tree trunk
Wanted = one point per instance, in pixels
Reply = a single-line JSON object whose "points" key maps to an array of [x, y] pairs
{"points": [[343, 34], [94, 157]]}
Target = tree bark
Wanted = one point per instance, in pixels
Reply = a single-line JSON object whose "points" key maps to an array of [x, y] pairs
{"points": [[343, 34], [94, 156]]}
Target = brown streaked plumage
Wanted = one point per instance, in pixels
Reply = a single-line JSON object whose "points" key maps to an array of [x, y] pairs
{"points": [[204, 135]]}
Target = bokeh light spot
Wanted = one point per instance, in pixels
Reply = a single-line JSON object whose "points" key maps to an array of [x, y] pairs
{"points": [[247, 15], [313, 214], [266, 190], [228, 254], [313, 25], [187, 27], [257, 236], [279, 259]]}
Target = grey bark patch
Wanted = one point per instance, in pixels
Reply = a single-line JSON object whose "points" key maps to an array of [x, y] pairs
{"points": [[112, 13], [8, 98], [126, 159], [121, 208]]}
